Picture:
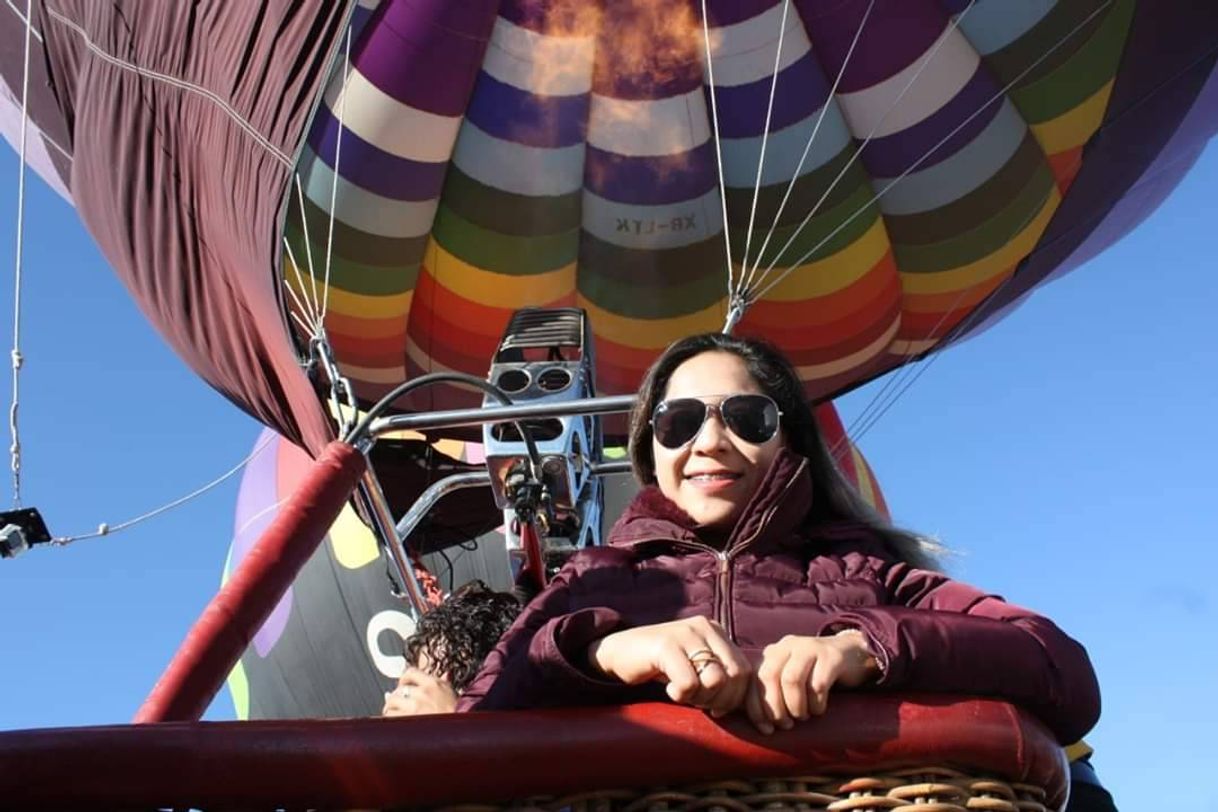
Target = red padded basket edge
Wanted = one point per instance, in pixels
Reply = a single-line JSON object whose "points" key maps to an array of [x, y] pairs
{"points": [[434, 760]]}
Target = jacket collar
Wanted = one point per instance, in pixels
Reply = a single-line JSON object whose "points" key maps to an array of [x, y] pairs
{"points": [[777, 508]]}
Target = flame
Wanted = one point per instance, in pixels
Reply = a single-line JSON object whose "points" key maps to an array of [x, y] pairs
{"points": [[646, 43], [629, 51]]}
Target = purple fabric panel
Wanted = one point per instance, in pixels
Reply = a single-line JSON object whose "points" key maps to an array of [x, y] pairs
{"points": [[801, 91], [42, 105], [1127, 215], [651, 180], [522, 117], [729, 12], [1168, 169], [888, 157], [360, 17], [1135, 207], [371, 168], [896, 33], [254, 514], [426, 53], [1167, 64], [954, 7]]}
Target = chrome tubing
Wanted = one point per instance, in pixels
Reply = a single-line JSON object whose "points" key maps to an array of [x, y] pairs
{"points": [[431, 421], [386, 530], [434, 493]]}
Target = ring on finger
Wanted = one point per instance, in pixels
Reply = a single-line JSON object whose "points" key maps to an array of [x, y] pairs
{"points": [[703, 659]]}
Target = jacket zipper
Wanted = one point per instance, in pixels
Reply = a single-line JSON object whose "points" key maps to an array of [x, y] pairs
{"points": [[728, 620], [723, 603]]}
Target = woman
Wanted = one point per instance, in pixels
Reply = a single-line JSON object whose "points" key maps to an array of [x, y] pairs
{"points": [[747, 575]]}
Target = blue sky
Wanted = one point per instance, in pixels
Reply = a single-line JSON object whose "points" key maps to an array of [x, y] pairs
{"points": [[1064, 456]]}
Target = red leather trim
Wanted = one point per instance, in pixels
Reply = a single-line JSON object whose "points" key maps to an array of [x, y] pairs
{"points": [[229, 622], [473, 757]]}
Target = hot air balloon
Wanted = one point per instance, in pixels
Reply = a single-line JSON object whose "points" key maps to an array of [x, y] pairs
{"points": [[316, 201], [926, 165]]}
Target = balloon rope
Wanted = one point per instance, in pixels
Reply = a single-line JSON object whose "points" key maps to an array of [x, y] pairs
{"points": [[710, 78], [748, 283], [304, 225], [765, 136], [104, 529], [14, 427], [930, 55], [338, 147], [922, 159], [908, 373], [866, 421], [24, 18], [305, 308]]}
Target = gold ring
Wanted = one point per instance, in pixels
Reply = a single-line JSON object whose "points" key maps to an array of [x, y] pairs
{"points": [[703, 659]]}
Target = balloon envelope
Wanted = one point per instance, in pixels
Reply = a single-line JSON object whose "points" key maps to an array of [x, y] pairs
{"points": [[938, 160]]}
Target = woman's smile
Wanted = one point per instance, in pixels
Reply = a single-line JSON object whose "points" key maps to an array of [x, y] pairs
{"points": [[713, 475]]}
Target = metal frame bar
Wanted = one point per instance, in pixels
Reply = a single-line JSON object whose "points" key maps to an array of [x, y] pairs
{"points": [[394, 534], [430, 421]]}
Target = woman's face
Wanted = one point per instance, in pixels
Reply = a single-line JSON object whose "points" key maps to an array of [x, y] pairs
{"points": [[713, 476]]}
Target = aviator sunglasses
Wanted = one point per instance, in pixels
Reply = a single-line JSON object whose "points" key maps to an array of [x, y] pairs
{"points": [[752, 418]]}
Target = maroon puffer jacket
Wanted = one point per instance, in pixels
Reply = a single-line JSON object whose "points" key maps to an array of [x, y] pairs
{"points": [[774, 577]]}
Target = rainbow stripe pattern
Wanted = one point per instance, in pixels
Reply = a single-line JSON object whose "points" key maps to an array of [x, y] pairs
{"points": [[502, 153]]}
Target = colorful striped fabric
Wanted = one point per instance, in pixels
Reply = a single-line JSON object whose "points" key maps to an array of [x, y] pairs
{"points": [[502, 153]]}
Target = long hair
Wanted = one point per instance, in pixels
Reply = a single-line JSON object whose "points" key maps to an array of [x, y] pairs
{"points": [[834, 499]]}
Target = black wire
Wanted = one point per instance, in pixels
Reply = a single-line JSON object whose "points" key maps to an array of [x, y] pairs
{"points": [[447, 377], [452, 575]]}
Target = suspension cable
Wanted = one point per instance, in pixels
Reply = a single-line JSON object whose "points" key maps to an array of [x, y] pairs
{"points": [[710, 78], [820, 118], [14, 426], [765, 136], [338, 146], [931, 151], [853, 158], [909, 371], [104, 529], [304, 226]]}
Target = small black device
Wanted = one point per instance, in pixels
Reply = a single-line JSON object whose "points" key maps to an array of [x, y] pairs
{"points": [[20, 530]]}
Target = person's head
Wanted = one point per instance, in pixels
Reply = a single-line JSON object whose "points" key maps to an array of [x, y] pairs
{"points": [[700, 433], [453, 639]]}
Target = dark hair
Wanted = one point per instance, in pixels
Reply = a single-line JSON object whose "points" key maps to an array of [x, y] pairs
{"points": [[457, 635], [834, 498]]}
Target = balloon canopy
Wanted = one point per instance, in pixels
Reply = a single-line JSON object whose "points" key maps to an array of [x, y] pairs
{"points": [[333, 644], [927, 163]]}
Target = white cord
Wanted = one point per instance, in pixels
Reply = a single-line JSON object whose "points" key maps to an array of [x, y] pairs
{"points": [[104, 529], [922, 159], [305, 306], [25, 20], [853, 158], [896, 386], [338, 146], [304, 227], [17, 359], [748, 282], [710, 78], [765, 137]]}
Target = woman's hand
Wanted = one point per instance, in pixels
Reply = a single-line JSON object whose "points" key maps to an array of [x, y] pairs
{"points": [[796, 673], [418, 694], [700, 665]]}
